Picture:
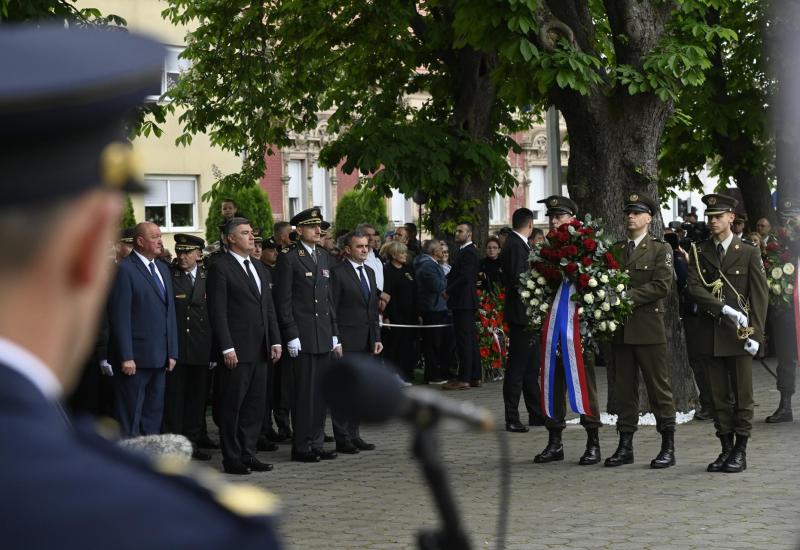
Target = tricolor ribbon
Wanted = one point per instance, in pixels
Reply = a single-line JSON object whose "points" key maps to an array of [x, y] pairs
{"points": [[561, 338], [796, 304]]}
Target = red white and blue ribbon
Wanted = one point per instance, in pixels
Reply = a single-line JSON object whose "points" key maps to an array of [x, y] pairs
{"points": [[561, 338], [796, 306]]}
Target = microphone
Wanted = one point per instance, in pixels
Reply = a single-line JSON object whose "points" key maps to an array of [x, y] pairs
{"points": [[365, 390]]}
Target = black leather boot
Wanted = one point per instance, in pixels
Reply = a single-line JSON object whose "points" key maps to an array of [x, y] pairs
{"points": [[737, 460], [784, 411], [624, 452], [666, 457], [592, 453], [727, 447], [554, 450]]}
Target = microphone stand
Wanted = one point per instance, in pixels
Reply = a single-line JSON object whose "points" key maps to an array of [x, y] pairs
{"points": [[451, 535]]}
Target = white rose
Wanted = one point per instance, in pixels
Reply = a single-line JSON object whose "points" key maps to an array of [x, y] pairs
{"points": [[788, 269], [777, 273], [789, 289], [604, 278], [592, 282], [537, 320], [601, 293], [530, 284], [605, 306], [544, 307], [612, 326], [525, 294], [537, 291], [580, 311], [588, 298], [776, 289], [540, 281], [534, 274], [602, 326], [534, 302], [620, 287], [598, 314]]}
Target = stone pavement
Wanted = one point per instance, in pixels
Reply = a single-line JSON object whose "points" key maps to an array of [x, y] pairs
{"points": [[378, 500]]}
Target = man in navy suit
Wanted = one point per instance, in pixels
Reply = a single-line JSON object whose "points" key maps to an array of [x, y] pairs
{"points": [[144, 334]]}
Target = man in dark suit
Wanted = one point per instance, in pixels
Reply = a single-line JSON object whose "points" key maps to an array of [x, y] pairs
{"points": [[246, 337], [462, 300], [308, 324], [50, 304], [187, 383], [522, 368], [144, 334], [355, 295]]}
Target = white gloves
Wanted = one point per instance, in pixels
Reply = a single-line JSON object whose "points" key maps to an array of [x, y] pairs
{"points": [[105, 368], [751, 347], [737, 317], [335, 343], [294, 347], [211, 365]]}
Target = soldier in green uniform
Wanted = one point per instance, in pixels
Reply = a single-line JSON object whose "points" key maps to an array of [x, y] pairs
{"points": [[727, 281], [641, 343]]}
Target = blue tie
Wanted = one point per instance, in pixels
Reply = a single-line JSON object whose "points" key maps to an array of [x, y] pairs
{"points": [[161, 290], [364, 284]]}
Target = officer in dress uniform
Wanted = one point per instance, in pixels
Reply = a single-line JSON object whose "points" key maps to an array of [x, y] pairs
{"points": [[641, 343], [308, 325], [727, 281], [187, 383], [72, 89]]}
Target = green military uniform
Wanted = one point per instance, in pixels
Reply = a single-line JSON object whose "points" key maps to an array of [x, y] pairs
{"points": [[730, 366]]}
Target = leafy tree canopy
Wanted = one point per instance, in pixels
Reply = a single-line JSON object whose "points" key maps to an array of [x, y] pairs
{"points": [[361, 206], [251, 200]]}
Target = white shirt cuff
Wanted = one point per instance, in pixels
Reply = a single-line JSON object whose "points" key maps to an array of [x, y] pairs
{"points": [[227, 350]]}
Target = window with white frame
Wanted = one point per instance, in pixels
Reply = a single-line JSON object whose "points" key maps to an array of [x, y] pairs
{"points": [[294, 170], [320, 189], [497, 209], [171, 202], [536, 191], [173, 67]]}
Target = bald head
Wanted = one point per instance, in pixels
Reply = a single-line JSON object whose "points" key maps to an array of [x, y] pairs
{"points": [[147, 240]]}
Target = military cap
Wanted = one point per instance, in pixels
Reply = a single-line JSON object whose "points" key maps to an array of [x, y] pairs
{"points": [[639, 202], [65, 95], [740, 218], [294, 237], [310, 216], [257, 234], [557, 204], [184, 242], [719, 204], [790, 205], [127, 235], [324, 227], [271, 243]]}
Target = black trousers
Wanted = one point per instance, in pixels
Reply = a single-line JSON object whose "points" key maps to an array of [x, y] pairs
{"points": [[400, 348], [522, 374], [347, 429], [269, 400], [783, 341], [309, 408], [241, 408], [469, 359], [185, 400], [436, 346], [283, 393]]}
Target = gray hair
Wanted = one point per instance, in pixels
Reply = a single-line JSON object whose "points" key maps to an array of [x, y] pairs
{"points": [[429, 246]]}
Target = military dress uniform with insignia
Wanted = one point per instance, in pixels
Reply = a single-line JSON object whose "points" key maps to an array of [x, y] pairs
{"points": [[64, 486], [305, 312], [187, 383], [640, 345], [736, 282]]}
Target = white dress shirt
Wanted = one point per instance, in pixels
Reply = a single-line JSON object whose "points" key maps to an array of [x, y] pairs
{"points": [[725, 244], [249, 266], [524, 239], [147, 263], [377, 266], [31, 367], [363, 268], [638, 240]]}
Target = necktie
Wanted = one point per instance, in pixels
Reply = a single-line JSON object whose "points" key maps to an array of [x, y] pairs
{"points": [[631, 246], [191, 278], [364, 284], [720, 253], [252, 277], [161, 290], [314, 254]]}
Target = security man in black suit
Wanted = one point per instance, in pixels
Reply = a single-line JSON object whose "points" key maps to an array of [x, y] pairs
{"points": [[308, 324], [187, 383], [355, 298], [462, 300], [97, 494], [522, 368], [246, 338]]}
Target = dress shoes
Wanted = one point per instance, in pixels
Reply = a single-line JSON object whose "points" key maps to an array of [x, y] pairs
{"points": [[475, 384], [727, 447], [266, 445], [256, 465], [624, 452], [737, 460], [784, 411], [666, 457], [363, 445], [304, 457], [347, 448], [206, 442], [197, 454], [325, 455], [554, 451], [235, 467], [516, 427], [457, 385], [327, 438], [592, 453], [703, 415]]}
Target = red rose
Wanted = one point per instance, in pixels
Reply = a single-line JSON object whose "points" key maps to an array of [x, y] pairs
{"points": [[562, 236], [610, 260], [571, 250], [484, 353], [587, 261], [772, 246], [786, 256], [583, 280], [501, 296], [576, 223], [571, 268], [496, 364], [589, 244], [505, 327], [484, 322]]}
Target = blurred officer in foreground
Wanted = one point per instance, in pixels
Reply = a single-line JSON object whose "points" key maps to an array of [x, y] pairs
{"points": [[68, 90]]}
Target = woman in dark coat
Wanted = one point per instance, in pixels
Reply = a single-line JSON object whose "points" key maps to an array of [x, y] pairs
{"points": [[400, 344], [490, 273]]}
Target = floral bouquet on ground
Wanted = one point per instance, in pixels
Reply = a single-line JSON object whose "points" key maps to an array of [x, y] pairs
{"points": [[578, 258], [780, 264], [492, 332]]}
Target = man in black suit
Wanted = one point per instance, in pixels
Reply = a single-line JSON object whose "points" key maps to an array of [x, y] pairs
{"points": [[246, 337], [522, 368], [187, 383], [355, 295], [462, 300], [308, 324]]}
